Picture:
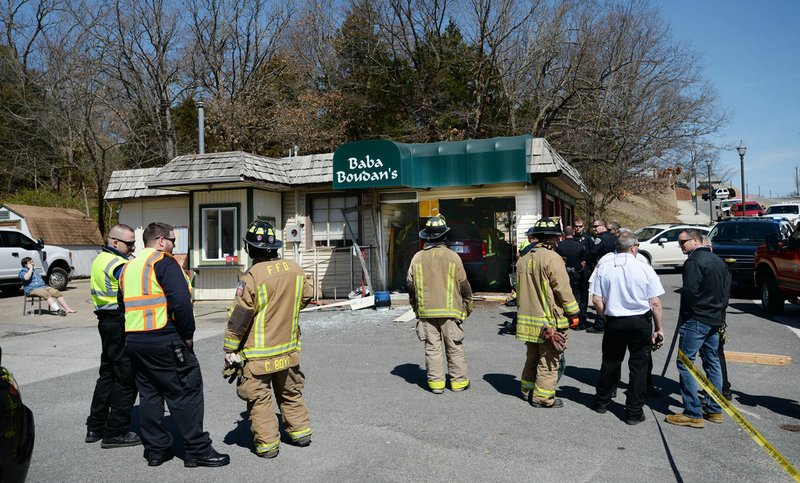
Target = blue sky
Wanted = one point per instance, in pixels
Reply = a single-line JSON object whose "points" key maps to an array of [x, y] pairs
{"points": [[751, 54]]}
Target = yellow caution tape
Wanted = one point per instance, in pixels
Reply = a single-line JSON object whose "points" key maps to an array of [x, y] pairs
{"points": [[736, 416]]}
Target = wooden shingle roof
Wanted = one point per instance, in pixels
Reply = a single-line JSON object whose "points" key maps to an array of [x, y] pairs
{"points": [[234, 166], [132, 183], [217, 168], [59, 226]]}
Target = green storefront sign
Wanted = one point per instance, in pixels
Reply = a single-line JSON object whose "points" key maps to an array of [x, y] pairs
{"points": [[475, 162]]}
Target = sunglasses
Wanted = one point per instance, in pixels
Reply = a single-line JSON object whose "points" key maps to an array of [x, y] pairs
{"points": [[596, 226], [578, 226], [129, 244], [170, 239], [681, 242]]}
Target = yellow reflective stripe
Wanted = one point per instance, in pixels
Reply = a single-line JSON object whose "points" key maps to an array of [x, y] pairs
{"points": [[451, 279], [543, 298], [544, 393], [443, 313], [528, 385], [256, 352], [571, 308], [263, 304], [418, 282], [264, 447], [459, 384], [436, 384], [232, 344], [298, 300], [295, 435]]}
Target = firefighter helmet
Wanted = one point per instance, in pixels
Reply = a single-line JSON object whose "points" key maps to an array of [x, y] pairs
{"points": [[260, 234], [545, 226], [435, 227]]}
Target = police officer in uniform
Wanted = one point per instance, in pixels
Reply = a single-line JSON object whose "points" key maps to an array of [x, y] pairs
{"points": [[441, 297], [604, 243], [263, 331], [574, 254], [159, 328], [115, 391]]}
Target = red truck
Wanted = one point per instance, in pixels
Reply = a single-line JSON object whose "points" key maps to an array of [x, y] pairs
{"points": [[777, 271]]}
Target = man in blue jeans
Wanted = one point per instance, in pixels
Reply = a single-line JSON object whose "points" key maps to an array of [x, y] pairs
{"points": [[704, 299]]}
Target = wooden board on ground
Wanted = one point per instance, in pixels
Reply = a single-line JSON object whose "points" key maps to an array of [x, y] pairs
{"points": [[753, 358], [362, 303], [408, 315], [318, 307]]}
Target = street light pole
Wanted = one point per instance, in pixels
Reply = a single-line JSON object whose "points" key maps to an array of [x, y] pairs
{"points": [[694, 175], [741, 149], [710, 192]]}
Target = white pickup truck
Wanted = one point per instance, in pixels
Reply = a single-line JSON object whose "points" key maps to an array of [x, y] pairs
{"points": [[53, 263], [787, 211]]}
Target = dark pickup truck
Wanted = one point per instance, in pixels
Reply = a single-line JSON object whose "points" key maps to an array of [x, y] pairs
{"points": [[736, 240], [777, 274]]}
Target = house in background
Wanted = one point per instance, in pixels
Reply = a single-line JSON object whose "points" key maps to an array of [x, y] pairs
{"points": [[358, 207], [65, 227]]}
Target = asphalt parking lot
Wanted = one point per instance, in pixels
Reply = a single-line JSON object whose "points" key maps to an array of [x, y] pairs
{"points": [[374, 420]]}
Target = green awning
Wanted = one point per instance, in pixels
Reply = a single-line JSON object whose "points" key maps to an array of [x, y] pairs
{"points": [[382, 163]]}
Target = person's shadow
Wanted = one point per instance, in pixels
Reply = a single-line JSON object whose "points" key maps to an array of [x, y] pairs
{"points": [[412, 373], [240, 435]]}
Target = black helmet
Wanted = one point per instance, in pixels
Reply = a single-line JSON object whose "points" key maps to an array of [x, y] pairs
{"points": [[260, 234], [546, 226], [435, 228]]}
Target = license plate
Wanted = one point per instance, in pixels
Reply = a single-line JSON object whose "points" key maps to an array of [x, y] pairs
{"points": [[459, 249]]}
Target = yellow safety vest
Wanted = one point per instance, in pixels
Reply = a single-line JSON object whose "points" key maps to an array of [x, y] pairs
{"points": [[144, 298], [104, 285]]}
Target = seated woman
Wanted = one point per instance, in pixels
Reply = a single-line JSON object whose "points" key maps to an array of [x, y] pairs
{"points": [[32, 284]]}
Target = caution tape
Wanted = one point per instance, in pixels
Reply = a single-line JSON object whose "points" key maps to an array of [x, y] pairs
{"points": [[736, 416]]}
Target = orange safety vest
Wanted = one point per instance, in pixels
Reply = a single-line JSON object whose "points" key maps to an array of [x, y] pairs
{"points": [[144, 298]]}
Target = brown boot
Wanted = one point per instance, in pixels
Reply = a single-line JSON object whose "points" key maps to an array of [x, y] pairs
{"points": [[713, 417], [684, 420]]}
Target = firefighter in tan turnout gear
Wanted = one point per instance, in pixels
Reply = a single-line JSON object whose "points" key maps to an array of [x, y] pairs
{"points": [[441, 297], [545, 302], [263, 331]]}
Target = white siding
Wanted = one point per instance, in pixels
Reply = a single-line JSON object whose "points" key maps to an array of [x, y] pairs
{"points": [[529, 209], [82, 258], [140, 213], [218, 282]]}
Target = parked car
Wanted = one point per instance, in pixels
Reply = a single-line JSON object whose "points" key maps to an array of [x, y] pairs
{"points": [[53, 263], [776, 274], [465, 239], [16, 429], [787, 211], [659, 244], [724, 207], [751, 208], [736, 240], [719, 194]]}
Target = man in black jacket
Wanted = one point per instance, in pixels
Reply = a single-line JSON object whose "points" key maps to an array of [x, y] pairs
{"points": [[704, 299], [603, 242], [574, 254]]}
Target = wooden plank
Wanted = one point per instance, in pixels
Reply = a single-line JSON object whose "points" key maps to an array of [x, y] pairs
{"points": [[407, 316], [362, 303], [754, 358], [335, 304]]}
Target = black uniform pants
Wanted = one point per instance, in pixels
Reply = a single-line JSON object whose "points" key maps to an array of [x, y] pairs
{"points": [[115, 390], [170, 373], [580, 290], [633, 334]]}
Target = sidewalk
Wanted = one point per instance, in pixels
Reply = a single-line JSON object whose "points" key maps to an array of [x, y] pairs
{"points": [[686, 214]]}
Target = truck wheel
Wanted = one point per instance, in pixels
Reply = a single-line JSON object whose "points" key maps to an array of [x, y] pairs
{"points": [[771, 298], [58, 278], [11, 289]]}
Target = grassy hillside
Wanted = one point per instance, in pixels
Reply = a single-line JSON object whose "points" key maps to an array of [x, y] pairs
{"points": [[636, 211]]}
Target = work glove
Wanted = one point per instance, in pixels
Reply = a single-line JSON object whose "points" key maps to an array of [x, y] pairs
{"points": [[554, 337], [574, 322], [233, 366]]}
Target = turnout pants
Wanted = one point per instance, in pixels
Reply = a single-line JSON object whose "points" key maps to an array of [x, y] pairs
{"points": [[433, 332], [623, 334], [115, 390], [169, 372], [257, 390], [540, 373]]}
